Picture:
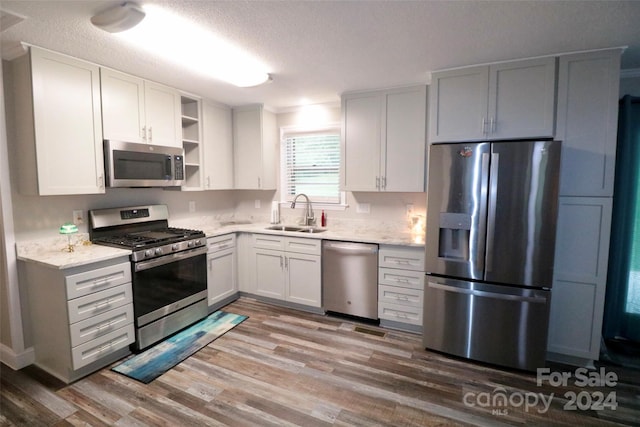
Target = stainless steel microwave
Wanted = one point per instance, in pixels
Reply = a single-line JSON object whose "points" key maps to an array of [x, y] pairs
{"points": [[129, 164]]}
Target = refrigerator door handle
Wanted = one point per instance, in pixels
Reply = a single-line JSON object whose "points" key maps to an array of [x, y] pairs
{"points": [[474, 292], [491, 220]]}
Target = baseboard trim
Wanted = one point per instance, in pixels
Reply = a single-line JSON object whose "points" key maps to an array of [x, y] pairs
{"points": [[15, 360]]}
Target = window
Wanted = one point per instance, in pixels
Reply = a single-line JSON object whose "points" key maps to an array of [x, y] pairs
{"points": [[310, 164]]}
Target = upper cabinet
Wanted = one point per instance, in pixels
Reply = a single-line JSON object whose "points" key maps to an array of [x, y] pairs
{"points": [[588, 85], [509, 100], [254, 156], [383, 140], [58, 126], [217, 141], [136, 110]]}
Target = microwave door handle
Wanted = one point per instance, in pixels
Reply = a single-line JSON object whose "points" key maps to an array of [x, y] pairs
{"points": [[169, 167]]}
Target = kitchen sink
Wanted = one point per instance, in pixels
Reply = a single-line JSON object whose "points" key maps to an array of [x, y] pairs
{"points": [[284, 228], [296, 229], [312, 230]]}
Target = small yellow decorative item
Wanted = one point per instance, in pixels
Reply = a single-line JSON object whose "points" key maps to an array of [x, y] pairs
{"points": [[68, 229]]}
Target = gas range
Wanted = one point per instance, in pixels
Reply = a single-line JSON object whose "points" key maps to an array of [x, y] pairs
{"points": [[168, 268], [142, 229]]}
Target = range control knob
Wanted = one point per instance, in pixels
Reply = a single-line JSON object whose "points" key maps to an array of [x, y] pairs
{"points": [[198, 242], [190, 244], [158, 251], [148, 253], [175, 247]]}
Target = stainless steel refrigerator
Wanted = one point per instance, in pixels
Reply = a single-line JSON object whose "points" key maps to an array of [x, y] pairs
{"points": [[490, 239]]}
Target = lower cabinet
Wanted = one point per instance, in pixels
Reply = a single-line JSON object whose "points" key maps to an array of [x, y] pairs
{"points": [[287, 268], [401, 287], [222, 283], [81, 318]]}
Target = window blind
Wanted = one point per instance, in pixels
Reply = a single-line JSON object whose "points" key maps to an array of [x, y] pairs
{"points": [[312, 166]]}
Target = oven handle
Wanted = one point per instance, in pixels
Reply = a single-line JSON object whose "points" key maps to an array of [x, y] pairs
{"points": [[178, 256]]}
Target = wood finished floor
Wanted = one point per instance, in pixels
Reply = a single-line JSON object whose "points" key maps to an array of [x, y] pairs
{"points": [[285, 367]]}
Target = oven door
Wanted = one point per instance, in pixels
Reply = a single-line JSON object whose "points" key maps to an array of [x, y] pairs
{"points": [[167, 284]]}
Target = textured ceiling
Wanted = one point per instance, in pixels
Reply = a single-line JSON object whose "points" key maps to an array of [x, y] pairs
{"points": [[317, 50]]}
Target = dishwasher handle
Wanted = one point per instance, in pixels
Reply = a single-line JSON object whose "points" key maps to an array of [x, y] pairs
{"points": [[351, 248]]}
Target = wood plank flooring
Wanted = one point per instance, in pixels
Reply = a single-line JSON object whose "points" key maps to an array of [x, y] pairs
{"points": [[283, 367]]}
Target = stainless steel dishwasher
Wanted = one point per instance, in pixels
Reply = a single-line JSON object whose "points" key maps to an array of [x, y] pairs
{"points": [[350, 278]]}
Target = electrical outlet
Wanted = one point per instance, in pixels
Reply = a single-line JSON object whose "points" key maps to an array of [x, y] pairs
{"points": [[363, 208], [78, 217], [257, 203], [192, 207]]}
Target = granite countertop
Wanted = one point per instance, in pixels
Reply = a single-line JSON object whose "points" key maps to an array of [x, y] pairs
{"points": [[51, 252], [380, 235]]}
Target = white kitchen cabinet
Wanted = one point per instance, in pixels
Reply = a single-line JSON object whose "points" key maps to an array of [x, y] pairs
{"points": [[81, 318], [192, 142], [580, 277], [222, 284], [288, 268], [217, 140], [58, 126], [508, 100], [383, 140], [254, 148], [587, 118], [401, 287], [136, 110]]}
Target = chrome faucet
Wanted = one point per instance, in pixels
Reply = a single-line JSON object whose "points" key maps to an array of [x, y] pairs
{"points": [[308, 217]]}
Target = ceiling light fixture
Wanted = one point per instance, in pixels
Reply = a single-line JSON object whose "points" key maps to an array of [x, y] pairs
{"points": [[184, 43], [120, 18]]}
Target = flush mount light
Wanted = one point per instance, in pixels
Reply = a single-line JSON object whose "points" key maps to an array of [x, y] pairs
{"points": [[119, 18], [186, 44]]}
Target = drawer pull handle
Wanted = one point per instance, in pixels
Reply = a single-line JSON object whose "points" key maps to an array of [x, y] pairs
{"points": [[104, 326], [103, 304], [105, 347]]}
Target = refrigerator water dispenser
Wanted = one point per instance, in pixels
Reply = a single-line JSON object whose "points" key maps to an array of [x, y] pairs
{"points": [[455, 232]]}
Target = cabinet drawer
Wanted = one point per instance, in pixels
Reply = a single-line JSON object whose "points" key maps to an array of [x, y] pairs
{"points": [[400, 313], [267, 241], [93, 350], [219, 243], [404, 278], [99, 302], [101, 324], [96, 280], [303, 246], [399, 257], [401, 296]]}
